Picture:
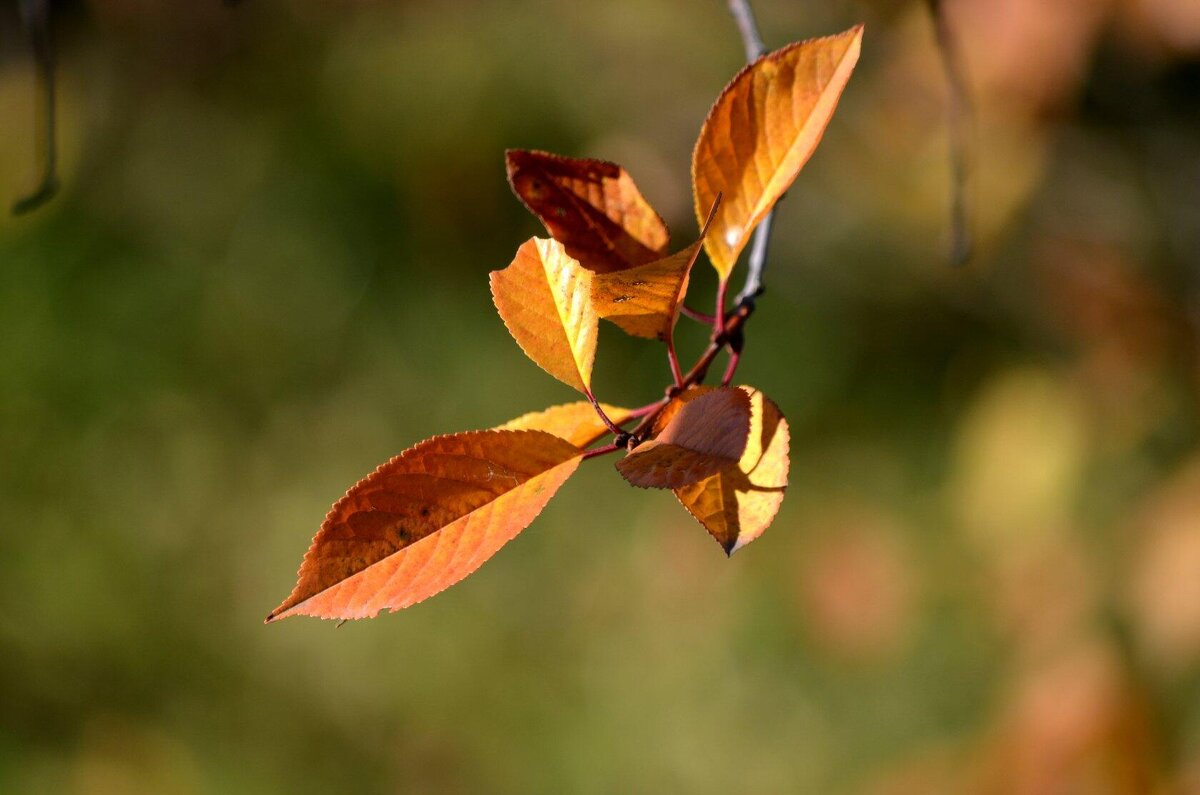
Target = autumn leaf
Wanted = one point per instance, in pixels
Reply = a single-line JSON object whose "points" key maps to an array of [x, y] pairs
{"points": [[577, 423], [664, 417], [425, 520], [706, 434], [737, 504], [644, 301], [545, 300], [593, 207], [761, 131]]}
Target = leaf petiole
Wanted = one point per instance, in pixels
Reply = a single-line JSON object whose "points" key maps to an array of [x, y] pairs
{"points": [[608, 423], [695, 314], [735, 357], [718, 320], [647, 409], [673, 358], [599, 451]]}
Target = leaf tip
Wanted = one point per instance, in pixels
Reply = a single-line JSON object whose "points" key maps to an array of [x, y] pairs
{"points": [[512, 161]]}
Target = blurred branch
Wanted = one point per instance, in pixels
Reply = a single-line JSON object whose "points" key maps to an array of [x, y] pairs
{"points": [[960, 113], [743, 15], [35, 15]]}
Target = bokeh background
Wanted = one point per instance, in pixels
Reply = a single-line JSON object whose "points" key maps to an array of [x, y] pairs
{"points": [[266, 274]]}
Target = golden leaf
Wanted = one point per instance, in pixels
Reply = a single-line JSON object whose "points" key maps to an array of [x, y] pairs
{"points": [[707, 434], [593, 207], [739, 503], [761, 131], [578, 422], [545, 300], [644, 300], [425, 520]]}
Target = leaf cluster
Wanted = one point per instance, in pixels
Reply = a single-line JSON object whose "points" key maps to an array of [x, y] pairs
{"points": [[433, 514]]}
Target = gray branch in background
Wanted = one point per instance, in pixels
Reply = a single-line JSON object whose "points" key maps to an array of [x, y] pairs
{"points": [[743, 15]]}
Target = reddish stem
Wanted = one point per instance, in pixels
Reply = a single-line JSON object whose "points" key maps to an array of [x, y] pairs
{"points": [[734, 358], [698, 316], [598, 451], [612, 426], [718, 320], [694, 376], [644, 410], [673, 358]]}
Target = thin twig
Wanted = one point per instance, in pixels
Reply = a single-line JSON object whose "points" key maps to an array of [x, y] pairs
{"points": [[36, 16], [961, 115], [753, 286], [743, 15]]}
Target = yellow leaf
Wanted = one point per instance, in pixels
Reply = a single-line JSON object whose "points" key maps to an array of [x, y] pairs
{"points": [[644, 300], [425, 520], [577, 423], [545, 300], [706, 435], [591, 206], [739, 503], [761, 131]]}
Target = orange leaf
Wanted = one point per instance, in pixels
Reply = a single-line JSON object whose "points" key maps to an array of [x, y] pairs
{"points": [[644, 300], [706, 435], [591, 206], [575, 422], [545, 300], [761, 131], [425, 520], [739, 503]]}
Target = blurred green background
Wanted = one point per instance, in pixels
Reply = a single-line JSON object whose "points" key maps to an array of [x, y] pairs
{"points": [[266, 274]]}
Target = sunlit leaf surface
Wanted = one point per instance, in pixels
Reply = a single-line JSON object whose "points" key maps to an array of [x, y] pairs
{"points": [[761, 132], [425, 520]]}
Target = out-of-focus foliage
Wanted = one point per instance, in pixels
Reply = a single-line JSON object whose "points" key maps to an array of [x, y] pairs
{"points": [[265, 274]]}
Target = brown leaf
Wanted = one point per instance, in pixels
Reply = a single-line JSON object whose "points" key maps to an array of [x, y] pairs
{"points": [[545, 300], [664, 417], [591, 206], [739, 503], [761, 131], [707, 434], [425, 520], [644, 300], [577, 423]]}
